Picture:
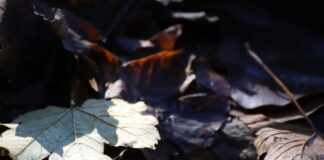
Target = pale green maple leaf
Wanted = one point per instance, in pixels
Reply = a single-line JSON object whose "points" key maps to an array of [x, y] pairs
{"points": [[79, 133]]}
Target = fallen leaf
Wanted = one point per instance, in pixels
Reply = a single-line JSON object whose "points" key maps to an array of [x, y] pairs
{"points": [[57, 20], [232, 141], [76, 35], [275, 144], [107, 62], [193, 122], [211, 79], [157, 76], [107, 67], [162, 41], [85, 81], [293, 54], [82, 27], [80, 132], [266, 115]]}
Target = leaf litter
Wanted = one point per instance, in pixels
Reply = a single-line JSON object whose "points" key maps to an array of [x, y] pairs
{"points": [[184, 60]]}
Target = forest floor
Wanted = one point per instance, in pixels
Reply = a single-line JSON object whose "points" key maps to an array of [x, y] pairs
{"points": [[188, 60]]}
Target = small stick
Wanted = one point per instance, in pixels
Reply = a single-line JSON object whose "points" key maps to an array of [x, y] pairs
{"points": [[281, 84]]}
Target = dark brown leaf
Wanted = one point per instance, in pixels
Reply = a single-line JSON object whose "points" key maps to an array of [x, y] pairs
{"points": [[85, 81]]}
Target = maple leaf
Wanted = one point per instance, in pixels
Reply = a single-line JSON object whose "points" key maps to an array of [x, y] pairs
{"points": [[80, 132]]}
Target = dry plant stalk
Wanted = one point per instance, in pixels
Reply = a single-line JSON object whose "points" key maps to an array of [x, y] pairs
{"points": [[286, 90]]}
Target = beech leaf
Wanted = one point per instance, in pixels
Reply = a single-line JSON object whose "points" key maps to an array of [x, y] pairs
{"points": [[79, 132]]}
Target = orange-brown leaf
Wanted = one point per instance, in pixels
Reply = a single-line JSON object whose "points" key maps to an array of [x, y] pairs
{"points": [[159, 75]]}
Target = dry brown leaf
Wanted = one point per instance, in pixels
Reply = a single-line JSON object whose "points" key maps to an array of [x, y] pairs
{"points": [[275, 144], [106, 61], [157, 76]]}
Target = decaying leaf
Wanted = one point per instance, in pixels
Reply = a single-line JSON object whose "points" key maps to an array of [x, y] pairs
{"points": [[278, 144], [162, 41], [82, 27], [233, 141], [157, 76], [193, 122], [106, 61], [85, 82], [210, 79], [107, 66], [263, 116], [58, 21], [77, 36], [80, 132]]}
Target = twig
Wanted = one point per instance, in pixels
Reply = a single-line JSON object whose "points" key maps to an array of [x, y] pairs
{"points": [[281, 84]]}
